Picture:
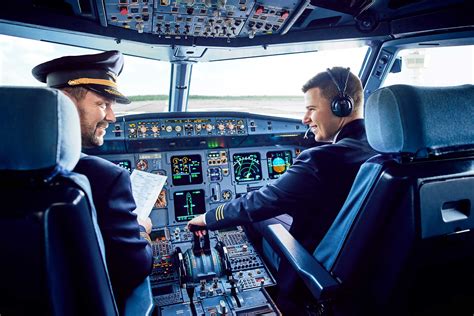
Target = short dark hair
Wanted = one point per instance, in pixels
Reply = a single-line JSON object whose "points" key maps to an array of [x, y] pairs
{"points": [[77, 93], [329, 90]]}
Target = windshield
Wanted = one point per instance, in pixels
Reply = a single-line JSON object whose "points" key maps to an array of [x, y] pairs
{"points": [[140, 77], [435, 67], [264, 85]]}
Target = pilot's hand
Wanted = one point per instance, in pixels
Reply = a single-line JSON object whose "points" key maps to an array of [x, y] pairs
{"points": [[198, 222], [145, 223]]}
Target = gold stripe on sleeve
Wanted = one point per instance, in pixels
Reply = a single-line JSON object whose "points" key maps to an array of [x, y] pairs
{"points": [[219, 212]]}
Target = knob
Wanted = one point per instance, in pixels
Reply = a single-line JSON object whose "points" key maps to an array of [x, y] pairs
{"points": [[143, 129], [178, 128], [220, 127], [230, 126], [198, 127], [221, 3], [169, 128], [209, 127], [222, 308], [140, 27], [155, 129], [252, 33]]}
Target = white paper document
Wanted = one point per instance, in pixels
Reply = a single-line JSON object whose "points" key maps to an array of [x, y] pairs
{"points": [[145, 188]]}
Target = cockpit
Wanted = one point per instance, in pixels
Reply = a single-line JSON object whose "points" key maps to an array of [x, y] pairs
{"points": [[217, 108]]}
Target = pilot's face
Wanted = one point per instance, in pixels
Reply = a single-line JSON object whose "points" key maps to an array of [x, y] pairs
{"points": [[323, 123], [95, 112]]}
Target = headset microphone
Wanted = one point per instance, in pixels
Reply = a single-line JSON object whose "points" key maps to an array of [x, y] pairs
{"points": [[306, 134]]}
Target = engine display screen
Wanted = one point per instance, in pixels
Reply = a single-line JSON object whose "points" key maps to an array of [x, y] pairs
{"points": [[186, 169], [188, 204], [125, 164], [278, 163], [247, 167]]}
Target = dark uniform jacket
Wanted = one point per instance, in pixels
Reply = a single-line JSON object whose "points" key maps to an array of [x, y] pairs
{"points": [[129, 257], [312, 190]]}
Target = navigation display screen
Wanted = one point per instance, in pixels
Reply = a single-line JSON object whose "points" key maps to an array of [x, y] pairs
{"points": [[278, 162], [125, 164], [247, 167], [188, 204], [186, 169]]}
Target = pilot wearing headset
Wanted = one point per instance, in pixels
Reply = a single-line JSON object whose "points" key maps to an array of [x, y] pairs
{"points": [[315, 187]]}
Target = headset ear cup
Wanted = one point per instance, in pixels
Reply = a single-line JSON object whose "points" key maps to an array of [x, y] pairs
{"points": [[341, 106]]}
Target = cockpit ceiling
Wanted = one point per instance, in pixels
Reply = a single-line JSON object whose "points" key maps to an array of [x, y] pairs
{"points": [[208, 30]]}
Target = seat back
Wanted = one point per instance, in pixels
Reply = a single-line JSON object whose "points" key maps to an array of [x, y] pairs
{"points": [[52, 251], [402, 243]]}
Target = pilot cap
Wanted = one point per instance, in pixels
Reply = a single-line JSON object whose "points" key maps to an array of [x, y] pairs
{"points": [[96, 72]]}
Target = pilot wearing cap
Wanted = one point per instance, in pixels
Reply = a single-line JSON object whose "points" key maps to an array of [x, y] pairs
{"points": [[91, 83], [96, 72]]}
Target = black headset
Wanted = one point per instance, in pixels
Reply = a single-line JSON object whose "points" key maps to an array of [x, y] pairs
{"points": [[342, 104]]}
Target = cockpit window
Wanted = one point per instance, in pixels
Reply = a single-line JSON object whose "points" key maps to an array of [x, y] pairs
{"points": [[435, 67], [264, 85], [145, 81]]}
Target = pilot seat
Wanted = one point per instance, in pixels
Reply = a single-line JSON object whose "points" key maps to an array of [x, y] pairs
{"points": [[53, 259], [403, 242]]}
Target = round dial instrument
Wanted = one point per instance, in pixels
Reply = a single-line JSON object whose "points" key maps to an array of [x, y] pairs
{"points": [[247, 167]]}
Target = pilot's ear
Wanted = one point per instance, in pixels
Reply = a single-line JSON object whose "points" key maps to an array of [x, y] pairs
{"points": [[73, 99]]}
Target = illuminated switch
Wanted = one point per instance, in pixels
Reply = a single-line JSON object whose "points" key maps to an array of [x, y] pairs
{"points": [[259, 10], [123, 10], [284, 14]]}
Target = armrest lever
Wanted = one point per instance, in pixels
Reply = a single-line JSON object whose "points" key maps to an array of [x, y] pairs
{"points": [[319, 281]]}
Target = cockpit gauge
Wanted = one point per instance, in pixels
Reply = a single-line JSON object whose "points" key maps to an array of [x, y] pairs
{"points": [[126, 164], [278, 162], [143, 129], [142, 164], [186, 169], [132, 130], [247, 167], [188, 204]]}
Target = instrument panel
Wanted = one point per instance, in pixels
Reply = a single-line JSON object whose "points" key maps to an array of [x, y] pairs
{"points": [[199, 180], [208, 160], [207, 18]]}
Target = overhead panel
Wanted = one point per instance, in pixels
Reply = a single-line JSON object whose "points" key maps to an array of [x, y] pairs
{"points": [[178, 19]]}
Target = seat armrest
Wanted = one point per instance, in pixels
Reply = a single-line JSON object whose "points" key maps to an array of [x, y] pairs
{"points": [[321, 284], [140, 301]]}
